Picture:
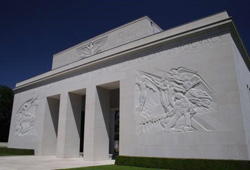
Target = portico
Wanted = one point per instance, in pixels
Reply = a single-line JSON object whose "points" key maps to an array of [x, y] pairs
{"points": [[81, 122]]}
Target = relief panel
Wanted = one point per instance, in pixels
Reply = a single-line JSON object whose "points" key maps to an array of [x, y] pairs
{"points": [[172, 102], [26, 117], [91, 48]]}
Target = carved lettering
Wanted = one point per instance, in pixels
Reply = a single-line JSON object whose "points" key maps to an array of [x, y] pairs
{"points": [[194, 45], [186, 47]]}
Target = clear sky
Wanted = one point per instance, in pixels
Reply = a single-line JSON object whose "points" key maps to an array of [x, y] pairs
{"points": [[31, 31]]}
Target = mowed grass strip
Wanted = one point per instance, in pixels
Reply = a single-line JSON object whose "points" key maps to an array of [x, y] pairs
{"points": [[113, 167], [5, 154], [14, 152]]}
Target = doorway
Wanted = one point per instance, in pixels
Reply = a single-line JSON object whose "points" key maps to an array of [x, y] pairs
{"points": [[117, 131], [114, 123], [82, 133]]}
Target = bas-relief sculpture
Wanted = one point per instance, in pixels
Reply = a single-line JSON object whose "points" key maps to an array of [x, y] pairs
{"points": [[91, 48], [170, 103], [26, 117]]}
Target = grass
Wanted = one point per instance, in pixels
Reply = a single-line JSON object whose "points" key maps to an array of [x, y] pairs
{"points": [[113, 167], [14, 152], [5, 154], [183, 163]]}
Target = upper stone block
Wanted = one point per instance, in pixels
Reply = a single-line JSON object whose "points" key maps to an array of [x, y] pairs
{"points": [[135, 30]]}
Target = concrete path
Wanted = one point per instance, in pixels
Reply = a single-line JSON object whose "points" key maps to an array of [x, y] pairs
{"points": [[3, 144], [45, 163]]}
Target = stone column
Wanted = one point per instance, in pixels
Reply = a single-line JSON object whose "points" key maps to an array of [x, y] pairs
{"points": [[96, 144], [62, 125], [49, 140], [68, 141]]}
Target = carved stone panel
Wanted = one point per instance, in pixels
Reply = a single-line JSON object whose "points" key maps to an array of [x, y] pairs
{"points": [[173, 102], [91, 48], [26, 117]]}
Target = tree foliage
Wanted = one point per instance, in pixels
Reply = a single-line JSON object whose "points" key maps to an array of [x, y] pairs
{"points": [[6, 102]]}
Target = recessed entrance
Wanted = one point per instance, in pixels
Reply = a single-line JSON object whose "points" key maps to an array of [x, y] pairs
{"points": [[82, 133], [114, 123]]}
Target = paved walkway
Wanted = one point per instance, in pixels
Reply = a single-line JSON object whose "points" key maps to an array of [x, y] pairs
{"points": [[45, 163], [3, 144]]}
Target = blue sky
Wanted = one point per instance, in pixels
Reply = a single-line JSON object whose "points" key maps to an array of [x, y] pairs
{"points": [[32, 31]]}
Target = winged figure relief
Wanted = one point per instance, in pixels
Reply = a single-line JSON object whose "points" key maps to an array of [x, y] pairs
{"points": [[26, 116], [169, 102], [91, 48]]}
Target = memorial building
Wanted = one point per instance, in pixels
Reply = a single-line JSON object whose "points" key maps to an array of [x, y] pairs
{"points": [[138, 90]]}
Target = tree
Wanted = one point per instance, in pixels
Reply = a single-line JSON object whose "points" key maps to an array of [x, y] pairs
{"points": [[6, 102]]}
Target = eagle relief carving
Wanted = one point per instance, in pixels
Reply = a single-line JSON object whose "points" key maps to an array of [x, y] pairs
{"points": [[91, 48], [172, 103], [26, 117]]}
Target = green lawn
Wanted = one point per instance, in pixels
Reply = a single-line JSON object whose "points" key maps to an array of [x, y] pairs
{"points": [[113, 167], [14, 152], [6, 154]]}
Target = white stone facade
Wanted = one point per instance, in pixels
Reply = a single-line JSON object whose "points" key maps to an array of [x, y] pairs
{"points": [[181, 93]]}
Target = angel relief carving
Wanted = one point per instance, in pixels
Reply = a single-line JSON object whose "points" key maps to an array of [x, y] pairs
{"points": [[169, 103], [26, 116], [91, 48]]}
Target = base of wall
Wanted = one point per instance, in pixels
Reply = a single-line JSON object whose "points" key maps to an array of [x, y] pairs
{"points": [[182, 164]]}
